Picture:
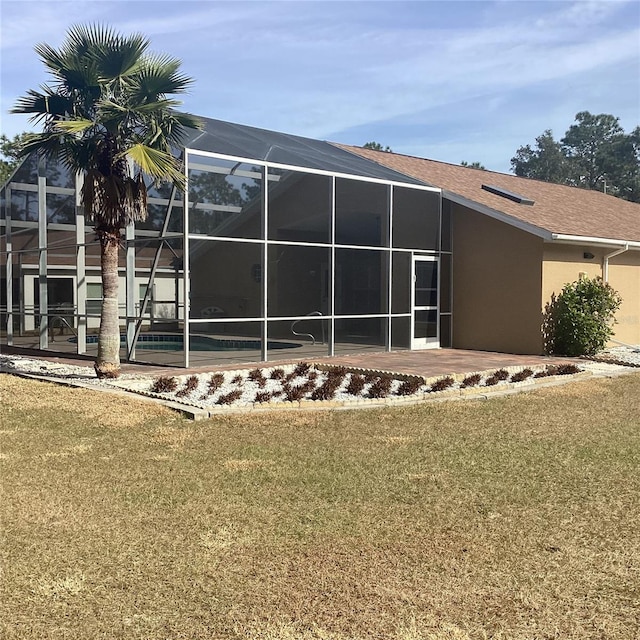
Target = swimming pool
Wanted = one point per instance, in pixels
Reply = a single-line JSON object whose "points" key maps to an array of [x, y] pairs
{"points": [[175, 342]]}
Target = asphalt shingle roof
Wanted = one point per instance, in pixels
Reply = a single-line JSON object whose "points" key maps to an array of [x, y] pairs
{"points": [[557, 209]]}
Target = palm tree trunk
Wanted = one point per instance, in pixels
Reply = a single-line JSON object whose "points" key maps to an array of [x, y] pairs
{"points": [[108, 361]]}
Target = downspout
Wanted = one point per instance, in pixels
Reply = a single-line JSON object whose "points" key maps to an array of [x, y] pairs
{"points": [[605, 261], [605, 277]]}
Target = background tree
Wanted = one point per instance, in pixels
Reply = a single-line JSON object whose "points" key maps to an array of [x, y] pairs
{"points": [[58, 209], [590, 147], [211, 188], [473, 165], [10, 149], [546, 161], [621, 162], [595, 153], [376, 146], [108, 114]]}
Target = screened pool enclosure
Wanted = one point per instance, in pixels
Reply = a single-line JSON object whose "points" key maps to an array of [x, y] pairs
{"points": [[282, 247]]}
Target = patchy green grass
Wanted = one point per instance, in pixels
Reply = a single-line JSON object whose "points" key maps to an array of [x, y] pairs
{"points": [[517, 517]]}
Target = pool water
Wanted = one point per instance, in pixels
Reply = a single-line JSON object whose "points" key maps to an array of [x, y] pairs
{"points": [[175, 342]]}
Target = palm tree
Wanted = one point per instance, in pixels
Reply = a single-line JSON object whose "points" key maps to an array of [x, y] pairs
{"points": [[108, 115]]}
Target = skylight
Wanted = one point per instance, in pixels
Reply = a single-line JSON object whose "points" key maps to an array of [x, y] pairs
{"points": [[510, 195]]}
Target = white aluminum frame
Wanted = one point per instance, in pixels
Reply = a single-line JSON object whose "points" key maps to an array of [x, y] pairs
{"points": [[266, 172], [264, 319], [429, 342]]}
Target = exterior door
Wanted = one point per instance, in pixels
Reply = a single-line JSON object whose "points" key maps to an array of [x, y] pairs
{"points": [[424, 303]]}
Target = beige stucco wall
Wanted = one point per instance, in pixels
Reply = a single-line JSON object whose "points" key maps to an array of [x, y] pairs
{"points": [[497, 281], [565, 263]]}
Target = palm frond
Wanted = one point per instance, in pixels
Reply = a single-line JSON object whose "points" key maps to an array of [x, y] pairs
{"points": [[72, 66], [115, 200], [110, 109], [80, 79], [52, 58], [187, 120], [43, 105], [158, 106], [160, 165], [82, 38], [160, 76], [174, 125], [79, 154], [120, 56], [79, 125], [67, 149], [110, 102], [45, 144]]}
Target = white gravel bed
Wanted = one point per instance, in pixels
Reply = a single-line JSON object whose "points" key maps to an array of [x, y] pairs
{"points": [[623, 355], [71, 373], [241, 382], [247, 391]]}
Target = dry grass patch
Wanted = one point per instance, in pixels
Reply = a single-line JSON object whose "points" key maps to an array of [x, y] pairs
{"points": [[386, 439], [60, 587], [173, 436], [16, 396], [246, 465], [513, 518]]}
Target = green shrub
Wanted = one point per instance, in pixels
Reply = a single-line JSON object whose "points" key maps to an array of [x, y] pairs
{"points": [[579, 321]]}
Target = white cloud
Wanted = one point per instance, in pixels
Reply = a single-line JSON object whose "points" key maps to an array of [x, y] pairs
{"points": [[318, 69], [583, 13]]}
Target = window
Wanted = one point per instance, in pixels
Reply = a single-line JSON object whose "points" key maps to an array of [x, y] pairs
{"points": [[142, 289], [94, 298]]}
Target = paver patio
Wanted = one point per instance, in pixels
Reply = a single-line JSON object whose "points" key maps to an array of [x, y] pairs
{"points": [[427, 363]]}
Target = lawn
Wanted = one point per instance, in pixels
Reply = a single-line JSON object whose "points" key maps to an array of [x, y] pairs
{"points": [[516, 517]]}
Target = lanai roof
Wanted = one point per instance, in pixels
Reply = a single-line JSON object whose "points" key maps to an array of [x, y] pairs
{"points": [[557, 210], [243, 141]]}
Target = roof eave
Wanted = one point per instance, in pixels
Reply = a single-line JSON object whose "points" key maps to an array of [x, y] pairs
{"points": [[564, 238], [545, 234]]}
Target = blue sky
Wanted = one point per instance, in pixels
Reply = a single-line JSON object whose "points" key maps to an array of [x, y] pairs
{"points": [[448, 80]]}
